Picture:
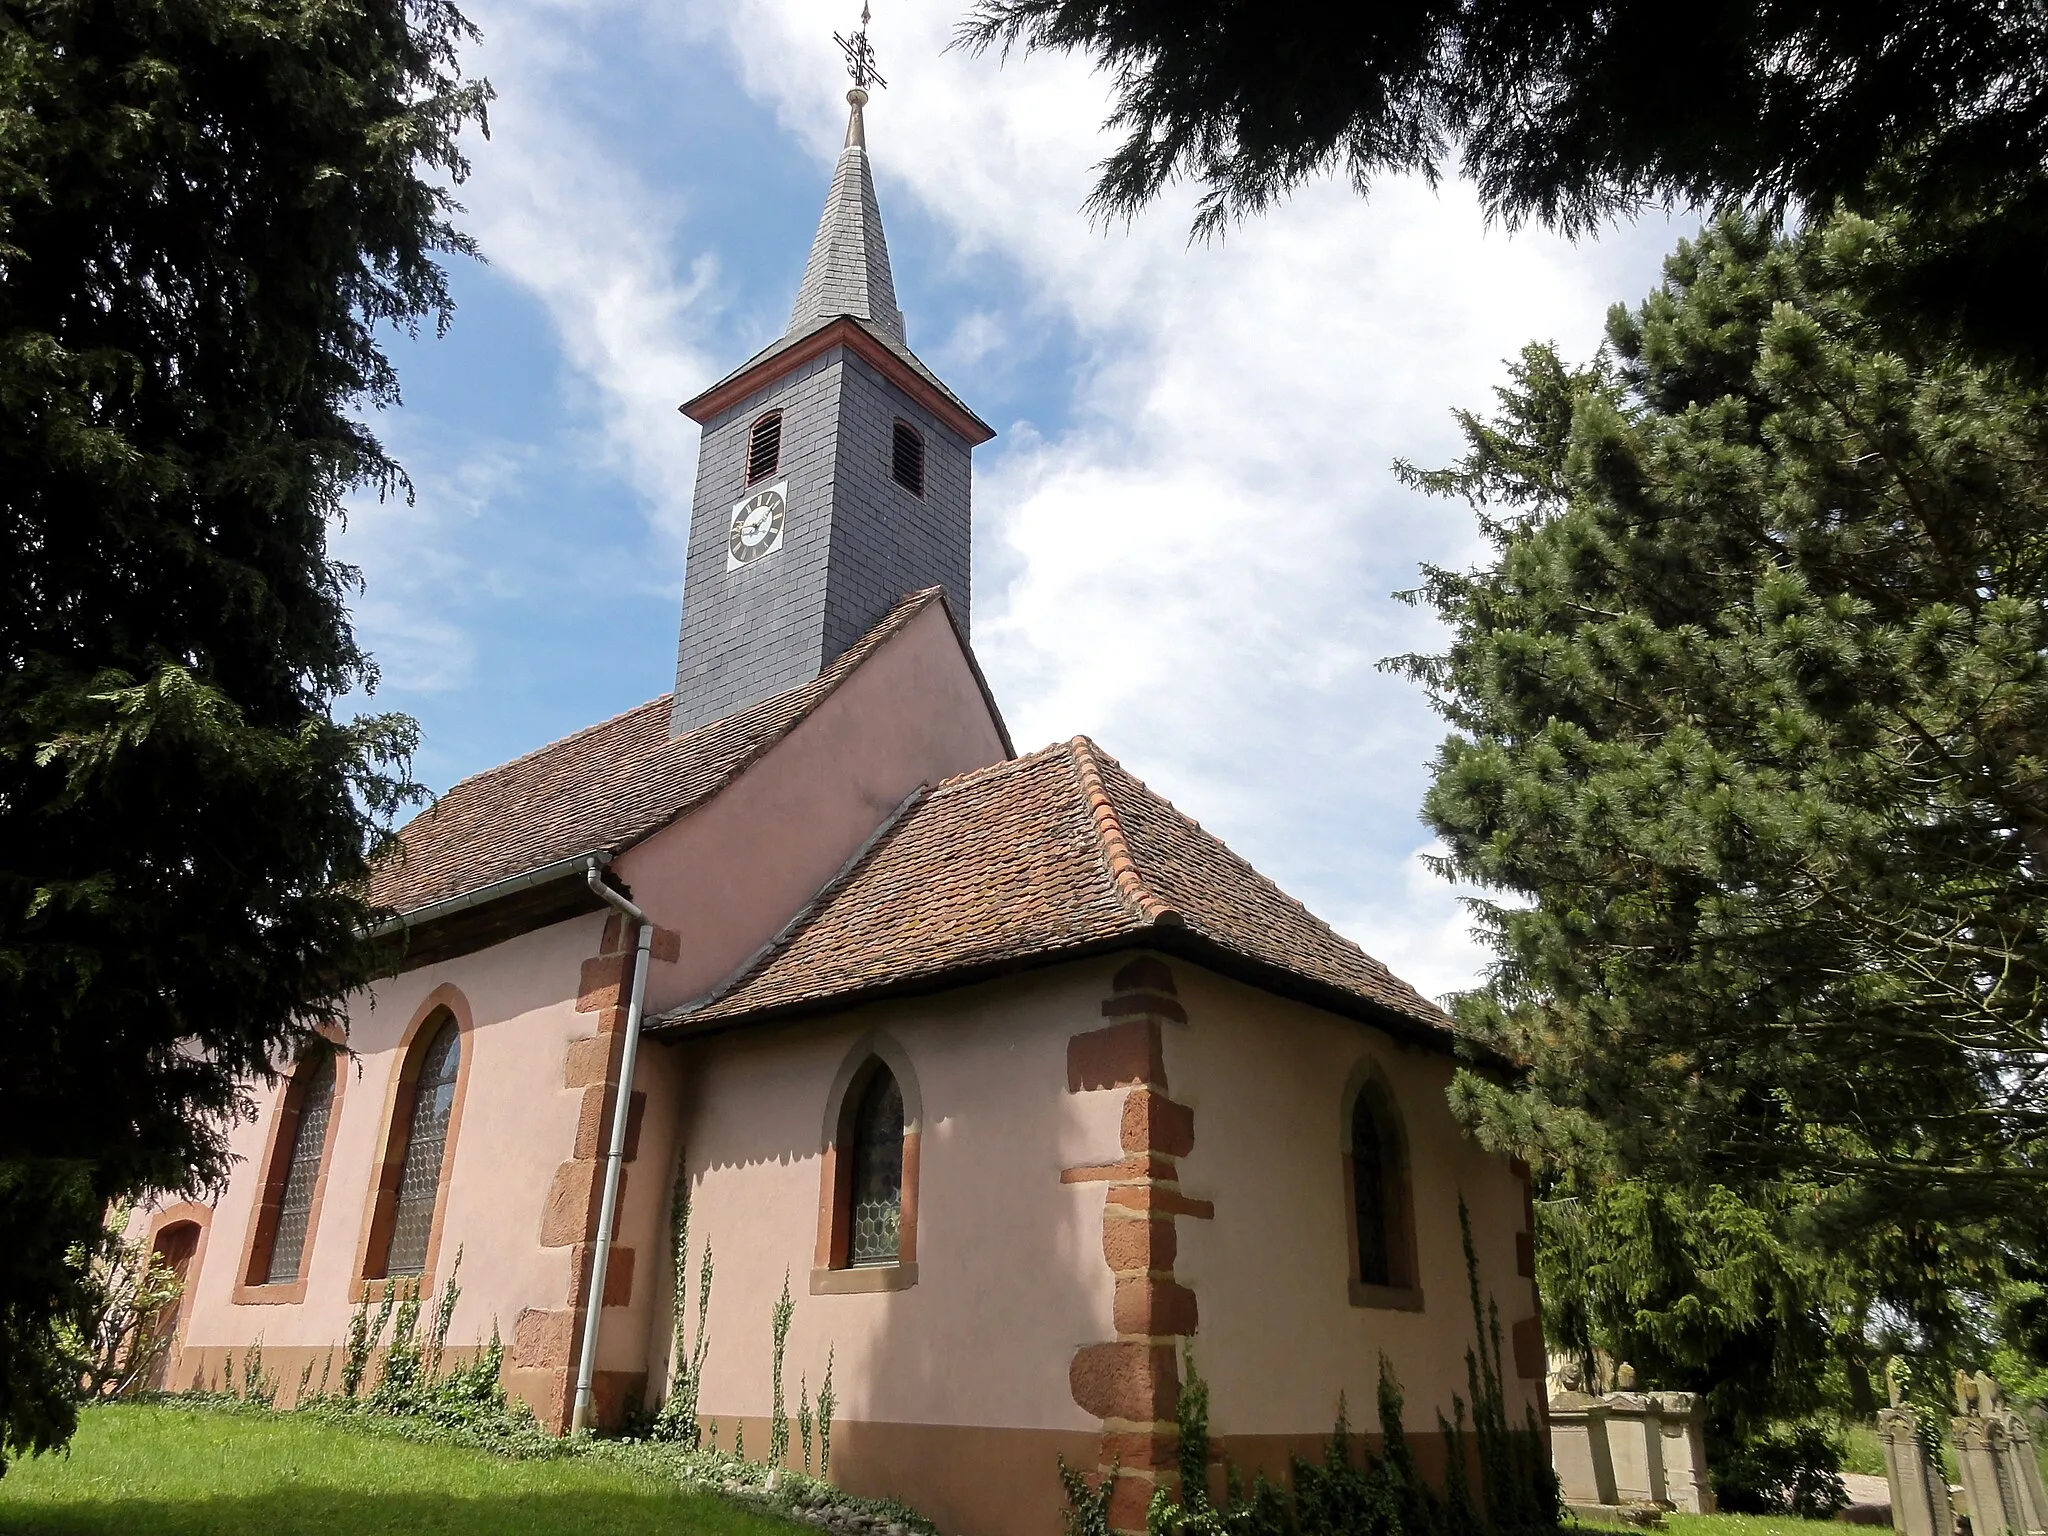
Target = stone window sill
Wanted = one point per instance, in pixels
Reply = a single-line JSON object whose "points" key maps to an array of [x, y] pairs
{"points": [[285, 1294], [869, 1277], [1386, 1298]]}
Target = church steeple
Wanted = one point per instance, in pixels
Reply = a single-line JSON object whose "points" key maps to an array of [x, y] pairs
{"points": [[848, 273], [834, 472]]}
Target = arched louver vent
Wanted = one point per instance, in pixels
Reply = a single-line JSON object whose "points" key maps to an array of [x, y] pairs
{"points": [[764, 447], [907, 462]]}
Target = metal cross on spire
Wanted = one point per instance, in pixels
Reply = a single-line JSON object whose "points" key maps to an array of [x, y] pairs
{"points": [[860, 56]]}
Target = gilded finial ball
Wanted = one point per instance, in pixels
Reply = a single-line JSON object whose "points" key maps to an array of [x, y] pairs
{"points": [[857, 97]]}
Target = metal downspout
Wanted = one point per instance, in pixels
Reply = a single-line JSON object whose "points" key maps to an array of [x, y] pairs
{"points": [[622, 1110]]}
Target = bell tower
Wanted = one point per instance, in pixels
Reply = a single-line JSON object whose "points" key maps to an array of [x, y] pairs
{"points": [[834, 471]]}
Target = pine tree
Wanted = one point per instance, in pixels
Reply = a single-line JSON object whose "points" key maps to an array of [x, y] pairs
{"points": [[1750, 713], [208, 211], [1572, 114]]}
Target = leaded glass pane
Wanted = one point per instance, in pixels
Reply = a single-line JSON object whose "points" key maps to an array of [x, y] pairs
{"points": [[419, 1183], [288, 1247], [878, 1172], [1369, 1186]]}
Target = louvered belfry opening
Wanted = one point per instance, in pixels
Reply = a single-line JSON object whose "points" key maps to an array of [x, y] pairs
{"points": [[764, 447], [907, 462]]}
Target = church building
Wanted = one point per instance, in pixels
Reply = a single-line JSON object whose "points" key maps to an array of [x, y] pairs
{"points": [[1020, 1080]]}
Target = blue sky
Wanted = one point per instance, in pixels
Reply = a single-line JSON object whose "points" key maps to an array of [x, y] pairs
{"points": [[1187, 531]]}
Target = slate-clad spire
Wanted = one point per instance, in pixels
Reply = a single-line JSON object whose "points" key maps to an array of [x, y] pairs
{"points": [[835, 472], [848, 273]]}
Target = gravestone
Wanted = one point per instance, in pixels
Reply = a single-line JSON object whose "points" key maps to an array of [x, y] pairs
{"points": [[1995, 1448], [1628, 1450], [1920, 1502]]}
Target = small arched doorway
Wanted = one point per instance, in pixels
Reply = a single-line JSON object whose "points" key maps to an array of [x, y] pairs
{"points": [[176, 1244]]}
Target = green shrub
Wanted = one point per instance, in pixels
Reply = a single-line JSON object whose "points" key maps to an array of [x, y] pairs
{"points": [[1794, 1470], [803, 1417], [677, 1420], [1087, 1511], [827, 1401], [778, 1421]]}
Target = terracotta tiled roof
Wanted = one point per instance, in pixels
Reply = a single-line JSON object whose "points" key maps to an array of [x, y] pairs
{"points": [[1036, 859], [605, 787]]}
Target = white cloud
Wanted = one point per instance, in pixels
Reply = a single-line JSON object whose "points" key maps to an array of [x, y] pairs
{"points": [[563, 215], [1197, 570], [1195, 565], [422, 557], [1422, 937]]}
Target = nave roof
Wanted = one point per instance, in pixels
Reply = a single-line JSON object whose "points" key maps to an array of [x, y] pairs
{"points": [[600, 790], [1037, 860]]}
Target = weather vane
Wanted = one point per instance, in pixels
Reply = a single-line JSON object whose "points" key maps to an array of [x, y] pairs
{"points": [[860, 56]]}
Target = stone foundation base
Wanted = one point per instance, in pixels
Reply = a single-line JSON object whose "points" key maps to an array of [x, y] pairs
{"points": [[1005, 1482]]}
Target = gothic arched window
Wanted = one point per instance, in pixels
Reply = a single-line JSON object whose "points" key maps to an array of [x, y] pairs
{"points": [[877, 1215], [1379, 1216], [426, 1146], [288, 1200], [906, 458], [313, 1086], [764, 447], [1369, 1193], [867, 1209]]}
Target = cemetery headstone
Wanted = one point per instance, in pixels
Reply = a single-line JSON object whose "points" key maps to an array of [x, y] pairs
{"points": [[1995, 1448], [1627, 1450], [1919, 1487]]}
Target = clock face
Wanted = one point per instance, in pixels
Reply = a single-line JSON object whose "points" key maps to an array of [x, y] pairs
{"points": [[757, 526]]}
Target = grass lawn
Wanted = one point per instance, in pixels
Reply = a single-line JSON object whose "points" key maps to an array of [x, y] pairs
{"points": [[1740, 1525], [1758, 1525], [173, 1470]]}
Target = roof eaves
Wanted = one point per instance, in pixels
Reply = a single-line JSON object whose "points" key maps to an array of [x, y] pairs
{"points": [[483, 895], [1181, 942], [881, 351]]}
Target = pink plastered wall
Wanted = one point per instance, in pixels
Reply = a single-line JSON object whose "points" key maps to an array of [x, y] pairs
{"points": [[727, 877], [516, 1119], [732, 872], [1279, 1337], [1011, 1277]]}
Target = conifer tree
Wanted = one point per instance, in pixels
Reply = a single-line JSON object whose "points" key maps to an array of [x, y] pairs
{"points": [[210, 210], [1750, 710], [1573, 113]]}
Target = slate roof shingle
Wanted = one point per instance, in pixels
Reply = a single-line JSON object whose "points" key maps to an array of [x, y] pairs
{"points": [[1038, 858], [604, 788]]}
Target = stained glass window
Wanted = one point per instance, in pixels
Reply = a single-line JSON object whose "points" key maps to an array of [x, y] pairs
{"points": [[419, 1183], [309, 1138], [1369, 1186], [877, 1214]]}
